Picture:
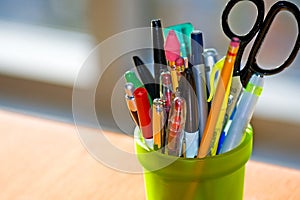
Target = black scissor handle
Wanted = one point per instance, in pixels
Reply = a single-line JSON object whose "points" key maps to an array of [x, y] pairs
{"points": [[259, 19], [251, 65], [244, 39]]}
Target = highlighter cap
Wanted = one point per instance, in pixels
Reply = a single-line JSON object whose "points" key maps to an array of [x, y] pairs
{"points": [[132, 78]]}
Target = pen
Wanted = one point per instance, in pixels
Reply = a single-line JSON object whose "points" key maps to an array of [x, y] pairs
{"points": [[245, 108], [209, 134], [166, 89], [143, 109], [160, 62], [187, 89], [129, 89], [158, 120], [225, 131], [145, 76], [200, 77], [210, 56], [176, 125]]}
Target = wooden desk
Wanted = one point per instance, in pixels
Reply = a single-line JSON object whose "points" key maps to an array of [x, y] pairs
{"points": [[42, 159]]}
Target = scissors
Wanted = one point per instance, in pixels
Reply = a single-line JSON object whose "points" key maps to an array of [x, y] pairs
{"points": [[261, 28]]}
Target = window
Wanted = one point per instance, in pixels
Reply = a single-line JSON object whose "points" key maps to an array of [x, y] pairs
{"points": [[70, 14]]}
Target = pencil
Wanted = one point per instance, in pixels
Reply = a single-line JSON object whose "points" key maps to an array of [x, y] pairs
{"points": [[216, 107]]}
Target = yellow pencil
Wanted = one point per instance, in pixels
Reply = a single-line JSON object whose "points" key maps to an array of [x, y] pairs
{"points": [[224, 81]]}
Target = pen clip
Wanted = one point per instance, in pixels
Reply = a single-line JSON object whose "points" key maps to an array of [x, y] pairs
{"points": [[218, 66]]}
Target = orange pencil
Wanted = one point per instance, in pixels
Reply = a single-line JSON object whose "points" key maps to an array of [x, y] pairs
{"points": [[224, 80]]}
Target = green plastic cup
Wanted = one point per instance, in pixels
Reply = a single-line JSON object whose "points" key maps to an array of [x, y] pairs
{"points": [[212, 178]]}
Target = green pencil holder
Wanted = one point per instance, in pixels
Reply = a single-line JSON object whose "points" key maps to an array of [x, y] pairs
{"points": [[219, 177]]}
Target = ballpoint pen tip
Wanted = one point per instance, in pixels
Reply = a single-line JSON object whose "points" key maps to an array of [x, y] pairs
{"points": [[156, 23]]}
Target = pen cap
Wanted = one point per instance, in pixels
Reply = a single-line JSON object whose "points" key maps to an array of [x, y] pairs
{"points": [[132, 78], [144, 111], [129, 89], [158, 42], [197, 47], [172, 46], [210, 56], [166, 80], [158, 107], [166, 88]]}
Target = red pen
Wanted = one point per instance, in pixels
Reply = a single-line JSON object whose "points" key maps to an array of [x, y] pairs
{"points": [[176, 126], [144, 113], [166, 89]]}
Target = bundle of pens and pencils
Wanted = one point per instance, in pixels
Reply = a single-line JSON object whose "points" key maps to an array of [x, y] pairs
{"points": [[172, 108], [188, 109]]}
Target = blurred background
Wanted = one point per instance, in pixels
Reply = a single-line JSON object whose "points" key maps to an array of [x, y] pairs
{"points": [[46, 43]]}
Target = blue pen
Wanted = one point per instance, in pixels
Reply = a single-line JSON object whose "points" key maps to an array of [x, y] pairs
{"points": [[244, 112], [225, 131], [200, 78]]}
